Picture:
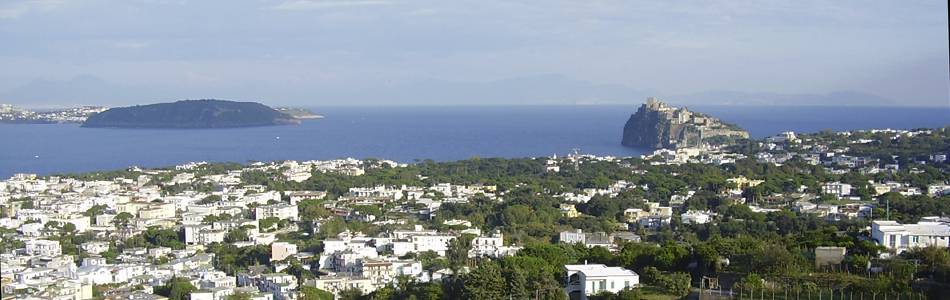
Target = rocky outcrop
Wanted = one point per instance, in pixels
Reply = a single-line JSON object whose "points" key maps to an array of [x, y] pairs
{"points": [[655, 125], [191, 114]]}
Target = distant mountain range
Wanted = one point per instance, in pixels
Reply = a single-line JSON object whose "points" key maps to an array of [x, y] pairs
{"points": [[80, 91], [534, 90], [849, 98]]}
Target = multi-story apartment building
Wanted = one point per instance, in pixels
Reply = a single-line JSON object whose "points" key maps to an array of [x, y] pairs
{"points": [[836, 188], [43, 248], [280, 211]]}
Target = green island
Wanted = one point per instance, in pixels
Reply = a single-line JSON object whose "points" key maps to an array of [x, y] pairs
{"points": [[829, 215], [190, 114]]}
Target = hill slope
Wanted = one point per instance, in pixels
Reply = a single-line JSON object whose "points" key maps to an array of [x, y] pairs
{"points": [[191, 114]]}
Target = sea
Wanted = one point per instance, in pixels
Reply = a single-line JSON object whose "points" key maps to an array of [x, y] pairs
{"points": [[408, 135]]}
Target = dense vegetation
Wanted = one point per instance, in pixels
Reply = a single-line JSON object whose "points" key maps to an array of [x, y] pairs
{"points": [[744, 250], [777, 247]]}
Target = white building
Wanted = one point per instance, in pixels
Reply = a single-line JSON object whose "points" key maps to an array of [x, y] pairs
{"points": [[836, 188], [417, 240], [338, 283], [281, 211], [938, 189], [422, 243], [487, 245], [95, 247], [572, 237], [296, 197], [281, 285], [196, 234], [346, 241], [43, 248], [586, 280], [282, 250], [695, 217], [902, 237], [655, 221]]}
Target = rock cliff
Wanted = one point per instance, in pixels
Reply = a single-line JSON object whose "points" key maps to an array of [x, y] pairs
{"points": [[655, 125], [191, 114]]}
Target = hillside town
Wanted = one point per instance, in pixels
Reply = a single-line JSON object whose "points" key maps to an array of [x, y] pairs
{"points": [[12, 115], [147, 232]]}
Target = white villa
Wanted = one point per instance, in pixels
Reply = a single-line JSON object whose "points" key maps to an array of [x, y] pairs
{"points": [[586, 280], [930, 231]]}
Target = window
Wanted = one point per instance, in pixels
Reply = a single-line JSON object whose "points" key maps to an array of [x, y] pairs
{"points": [[612, 285], [603, 285], [626, 283]]}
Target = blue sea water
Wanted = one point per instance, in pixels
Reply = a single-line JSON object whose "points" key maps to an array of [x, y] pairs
{"points": [[407, 134]]}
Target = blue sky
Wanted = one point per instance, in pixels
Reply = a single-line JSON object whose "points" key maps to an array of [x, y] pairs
{"points": [[292, 50]]}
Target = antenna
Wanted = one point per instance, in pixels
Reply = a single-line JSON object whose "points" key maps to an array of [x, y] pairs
{"points": [[576, 157]]}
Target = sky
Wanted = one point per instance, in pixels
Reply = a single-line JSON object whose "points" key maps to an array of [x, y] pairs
{"points": [[310, 52]]}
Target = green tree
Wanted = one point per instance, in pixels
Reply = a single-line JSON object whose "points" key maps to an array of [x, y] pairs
{"points": [[123, 218], [458, 248], [351, 293], [238, 296], [69, 228], [94, 211], [676, 283], [176, 289], [312, 293], [484, 282]]}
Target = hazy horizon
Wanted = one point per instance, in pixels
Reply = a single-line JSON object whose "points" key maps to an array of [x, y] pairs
{"points": [[379, 53]]}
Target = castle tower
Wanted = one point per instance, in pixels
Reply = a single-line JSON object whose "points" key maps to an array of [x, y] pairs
{"points": [[654, 104]]}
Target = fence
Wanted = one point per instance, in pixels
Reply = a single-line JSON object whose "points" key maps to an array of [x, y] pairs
{"points": [[775, 294]]}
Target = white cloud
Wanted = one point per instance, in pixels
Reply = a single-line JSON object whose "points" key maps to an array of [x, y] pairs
{"points": [[19, 9], [303, 4]]}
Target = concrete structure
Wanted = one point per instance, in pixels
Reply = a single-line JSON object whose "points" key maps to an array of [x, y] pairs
{"points": [[829, 255]]}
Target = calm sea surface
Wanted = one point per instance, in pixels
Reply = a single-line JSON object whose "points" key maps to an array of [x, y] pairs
{"points": [[405, 134]]}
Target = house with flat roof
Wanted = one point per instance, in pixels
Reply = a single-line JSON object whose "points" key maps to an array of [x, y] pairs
{"points": [[585, 280], [902, 237]]}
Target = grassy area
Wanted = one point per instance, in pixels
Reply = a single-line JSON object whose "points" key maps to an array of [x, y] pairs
{"points": [[826, 295], [655, 293]]}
